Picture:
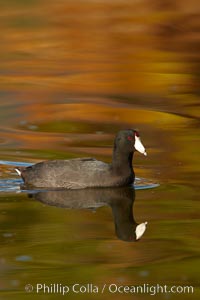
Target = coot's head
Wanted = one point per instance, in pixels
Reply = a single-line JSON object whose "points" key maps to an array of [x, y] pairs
{"points": [[129, 141]]}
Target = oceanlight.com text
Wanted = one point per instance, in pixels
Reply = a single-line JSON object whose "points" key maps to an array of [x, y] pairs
{"points": [[112, 288]]}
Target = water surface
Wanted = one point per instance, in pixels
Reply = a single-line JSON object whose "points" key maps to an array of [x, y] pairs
{"points": [[72, 75]]}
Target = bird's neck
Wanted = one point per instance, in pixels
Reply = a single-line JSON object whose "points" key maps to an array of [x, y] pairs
{"points": [[122, 162]]}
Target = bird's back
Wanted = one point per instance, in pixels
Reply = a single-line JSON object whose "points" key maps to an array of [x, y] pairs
{"points": [[71, 174]]}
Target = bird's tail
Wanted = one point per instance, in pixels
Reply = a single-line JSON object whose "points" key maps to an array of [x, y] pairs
{"points": [[19, 170]]}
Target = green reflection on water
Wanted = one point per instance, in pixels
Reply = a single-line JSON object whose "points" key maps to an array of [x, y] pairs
{"points": [[144, 56], [74, 246]]}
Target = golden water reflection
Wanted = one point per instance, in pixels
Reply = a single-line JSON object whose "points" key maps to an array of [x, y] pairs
{"points": [[72, 74], [100, 47]]}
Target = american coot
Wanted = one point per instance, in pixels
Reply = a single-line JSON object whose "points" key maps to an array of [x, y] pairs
{"points": [[81, 173]]}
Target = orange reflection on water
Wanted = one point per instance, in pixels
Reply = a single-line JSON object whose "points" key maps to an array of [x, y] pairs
{"points": [[100, 47]]}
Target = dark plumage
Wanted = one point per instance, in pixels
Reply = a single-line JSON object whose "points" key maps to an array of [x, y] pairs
{"points": [[120, 200], [88, 172]]}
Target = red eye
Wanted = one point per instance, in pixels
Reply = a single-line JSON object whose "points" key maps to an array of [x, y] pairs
{"points": [[129, 138]]}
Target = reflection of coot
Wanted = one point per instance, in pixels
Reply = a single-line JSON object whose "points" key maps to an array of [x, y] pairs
{"points": [[87, 172], [119, 199]]}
